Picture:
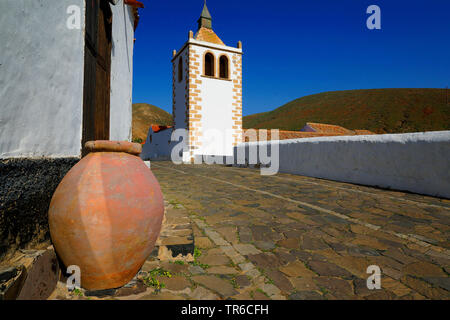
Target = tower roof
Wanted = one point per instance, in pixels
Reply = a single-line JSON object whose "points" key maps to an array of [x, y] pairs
{"points": [[205, 31], [208, 35], [205, 13]]}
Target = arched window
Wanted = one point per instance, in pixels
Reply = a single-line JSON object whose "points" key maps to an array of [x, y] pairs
{"points": [[209, 65], [223, 62], [180, 70]]}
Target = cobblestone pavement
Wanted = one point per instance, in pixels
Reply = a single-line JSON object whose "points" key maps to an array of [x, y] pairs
{"points": [[294, 237]]}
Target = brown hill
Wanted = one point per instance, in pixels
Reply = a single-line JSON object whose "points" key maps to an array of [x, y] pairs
{"points": [[377, 110], [144, 115]]}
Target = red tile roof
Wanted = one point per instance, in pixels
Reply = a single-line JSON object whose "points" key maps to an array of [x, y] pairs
{"points": [[285, 135], [157, 128], [363, 132], [208, 35], [328, 128], [321, 130], [135, 4]]}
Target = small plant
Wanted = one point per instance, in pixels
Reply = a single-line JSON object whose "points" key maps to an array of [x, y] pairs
{"points": [[152, 281], [77, 292], [323, 290], [160, 272], [201, 265], [197, 254], [137, 140], [180, 262], [234, 283], [175, 204], [261, 291]]}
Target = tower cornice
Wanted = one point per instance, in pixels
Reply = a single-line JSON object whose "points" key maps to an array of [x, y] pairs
{"points": [[209, 46]]}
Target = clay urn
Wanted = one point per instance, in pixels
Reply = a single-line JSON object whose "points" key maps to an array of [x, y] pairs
{"points": [[106, 214]]}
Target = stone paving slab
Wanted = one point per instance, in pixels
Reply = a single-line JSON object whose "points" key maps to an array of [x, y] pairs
{"points": [[291, 237]]}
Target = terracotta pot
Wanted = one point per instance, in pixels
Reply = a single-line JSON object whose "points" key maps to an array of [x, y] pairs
{"points": [[106, 214]]}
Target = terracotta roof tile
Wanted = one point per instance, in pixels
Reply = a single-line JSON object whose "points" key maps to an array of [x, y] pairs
{"points": [[338, 131], [134, 3], [208, 35], [157, 128], [285, 135], [363, 132], [328, 128]]}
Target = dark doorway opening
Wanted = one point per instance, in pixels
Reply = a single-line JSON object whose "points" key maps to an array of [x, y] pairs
{"points": [[97, 72]]}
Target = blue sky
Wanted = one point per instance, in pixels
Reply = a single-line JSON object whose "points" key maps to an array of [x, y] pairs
{"points": [[294, 48]]}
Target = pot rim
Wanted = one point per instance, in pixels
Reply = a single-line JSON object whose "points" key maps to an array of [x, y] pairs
{"points": [[113, 146]]}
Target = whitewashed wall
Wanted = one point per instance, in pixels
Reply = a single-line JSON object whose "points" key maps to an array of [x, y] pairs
{"points": [[179, 90], [416, 162], [157, 146], [121, 72], [216, 104], [41, 79]]}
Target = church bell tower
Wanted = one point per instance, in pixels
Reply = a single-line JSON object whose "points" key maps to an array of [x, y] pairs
{"points": [[207, 92]]}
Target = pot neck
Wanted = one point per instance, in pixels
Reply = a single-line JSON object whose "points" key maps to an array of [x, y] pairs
{"points": [[113, 146]]}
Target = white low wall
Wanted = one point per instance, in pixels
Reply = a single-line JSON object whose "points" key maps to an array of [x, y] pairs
{"points": [[416, 162]]}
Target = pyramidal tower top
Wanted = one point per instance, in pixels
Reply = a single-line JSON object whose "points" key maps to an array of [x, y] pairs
{"points": [[205, 31]]}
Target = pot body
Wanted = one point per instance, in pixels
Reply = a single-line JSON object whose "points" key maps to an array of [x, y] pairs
{"points": [[105, 217]]}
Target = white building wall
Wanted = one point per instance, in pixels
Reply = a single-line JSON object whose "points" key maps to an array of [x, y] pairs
{"points": [[416, 162], [209, 108], [158, 146], [216, 107], [180, 90], [121, 72], [41, 79]]}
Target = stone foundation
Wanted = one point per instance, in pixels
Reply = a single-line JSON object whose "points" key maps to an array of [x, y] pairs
{"points": [[26, 189]]}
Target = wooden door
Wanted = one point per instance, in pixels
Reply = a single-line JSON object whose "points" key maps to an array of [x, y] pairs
{"points": [[97, 71]]}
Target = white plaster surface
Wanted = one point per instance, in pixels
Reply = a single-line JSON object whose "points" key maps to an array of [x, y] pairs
{"points": [[217, 100], [216, 105], [42, 75], [41, 79], [179, 98], [415, 162], [158, 146], [121, 72]]}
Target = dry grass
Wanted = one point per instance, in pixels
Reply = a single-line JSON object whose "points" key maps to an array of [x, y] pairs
{"points": [[144, 115], [377, 110]]}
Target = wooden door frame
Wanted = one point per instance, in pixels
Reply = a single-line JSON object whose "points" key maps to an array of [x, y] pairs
{"points": [[96, 117]]}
